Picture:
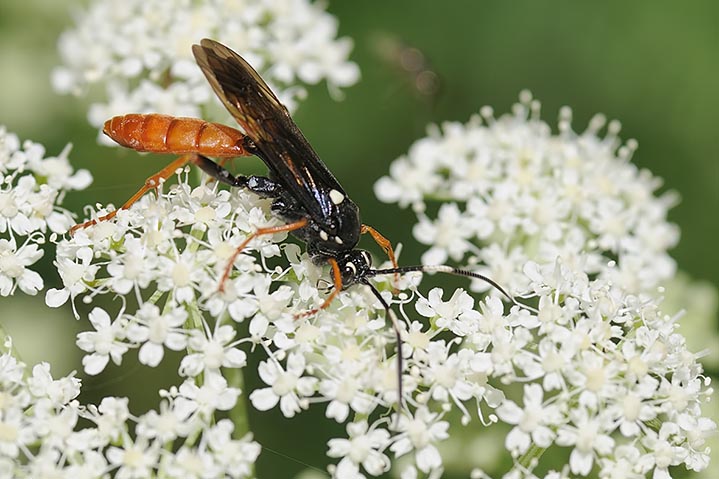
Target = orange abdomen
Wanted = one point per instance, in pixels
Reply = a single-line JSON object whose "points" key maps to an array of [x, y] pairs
{"points": [[170, 134]]}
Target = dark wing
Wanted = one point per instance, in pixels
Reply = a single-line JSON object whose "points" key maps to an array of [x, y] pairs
{"points": [[280, 144]]}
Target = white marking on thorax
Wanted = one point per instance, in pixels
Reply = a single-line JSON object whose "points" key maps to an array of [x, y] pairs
{"points": [[338, 240], [336, 197], [323, 235]]}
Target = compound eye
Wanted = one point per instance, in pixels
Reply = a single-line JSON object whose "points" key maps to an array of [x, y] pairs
{"points": [[350, 271]]}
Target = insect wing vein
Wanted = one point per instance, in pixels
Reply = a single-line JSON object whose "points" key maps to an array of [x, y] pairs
{"points": [[280, 144]]}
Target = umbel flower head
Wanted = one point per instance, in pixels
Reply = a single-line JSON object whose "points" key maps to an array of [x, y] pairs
{"points": [[48, 433], [592, 366], [509, 191], [32, 187], [138, 51], [569, 222]]}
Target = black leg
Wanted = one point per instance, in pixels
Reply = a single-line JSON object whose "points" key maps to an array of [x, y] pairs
{"points": [[220, 173], [260, 185]]}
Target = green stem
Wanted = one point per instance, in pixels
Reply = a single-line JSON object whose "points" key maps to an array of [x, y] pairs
{"points": [[531, 457], [238, 414]]}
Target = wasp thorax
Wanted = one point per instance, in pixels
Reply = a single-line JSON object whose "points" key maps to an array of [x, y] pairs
{"points": [[335, 235]]}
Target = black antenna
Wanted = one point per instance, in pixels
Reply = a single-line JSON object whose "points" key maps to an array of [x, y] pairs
{"points": [[360, 268], [443, 268], [395, 326], [362, 273]]}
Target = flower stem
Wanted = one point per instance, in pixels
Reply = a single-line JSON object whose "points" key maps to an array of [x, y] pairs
{"points": [[238, 414], [530, 458]]}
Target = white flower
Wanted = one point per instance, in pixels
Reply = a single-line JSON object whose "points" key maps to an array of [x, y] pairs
{"points": [[448, 235], [103, 344], [157, 331], [623, 465], [533, 423], [363, 448], [457, 314], [183, 274], [143, 62], [344, 393], [410, 180], [31, 189], [419, 434], [191, 463], [213, 352], [288, 387], [586, 435], [134, 460], [60, 391], [446, 374], [132, 268], [269, 304], [634, 407], [13, 267], [214, 394], [16, 435], [236, 456], [94, 465], [164, 425], [663, 451], [76, 276], [11, 370], [110, 417], [15, 209]]}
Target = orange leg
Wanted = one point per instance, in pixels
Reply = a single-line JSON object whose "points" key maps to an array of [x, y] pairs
{"points": [[151, 183], [337, 277], [259, 232], [385, 244]]}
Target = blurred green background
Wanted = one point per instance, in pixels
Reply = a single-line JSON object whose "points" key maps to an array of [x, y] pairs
{"points": [[652, 65]]}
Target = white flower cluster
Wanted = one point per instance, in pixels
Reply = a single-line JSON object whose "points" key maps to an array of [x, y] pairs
{"points": [[139, 51], [165, 256], [604, 372], [567, 221], [31, 188], [511, 191], [47, 433]]}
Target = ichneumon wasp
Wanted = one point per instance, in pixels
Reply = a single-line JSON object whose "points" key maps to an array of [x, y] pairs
{"points": [[303, 191]]}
